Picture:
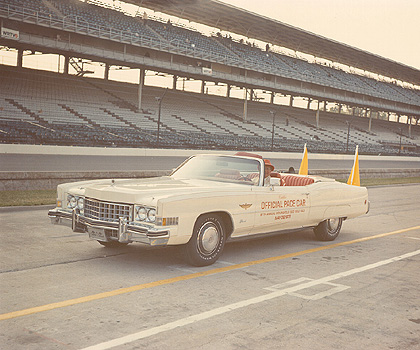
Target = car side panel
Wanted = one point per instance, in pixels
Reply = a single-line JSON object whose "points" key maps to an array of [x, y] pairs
{"points": [[281, 207], [238, 206], [332, 200]]}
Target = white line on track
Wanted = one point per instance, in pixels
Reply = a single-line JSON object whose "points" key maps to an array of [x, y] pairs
{"points": [[241, 304]]}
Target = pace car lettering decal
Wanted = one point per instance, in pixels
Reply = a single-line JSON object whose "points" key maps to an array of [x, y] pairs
{"points": [[272, 205], [286, 208], [287, 203]]}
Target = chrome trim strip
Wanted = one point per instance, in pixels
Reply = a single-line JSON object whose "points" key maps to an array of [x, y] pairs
{"points": [[125, 231], [107, 211]]}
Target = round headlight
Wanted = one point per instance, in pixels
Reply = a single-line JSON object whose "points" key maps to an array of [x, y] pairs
{"points": [[141, 213], [80, 203], [151, 215], [72, 202]]}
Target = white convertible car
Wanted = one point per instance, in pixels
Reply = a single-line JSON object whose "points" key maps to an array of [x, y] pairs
{"points": [[205, 201]]}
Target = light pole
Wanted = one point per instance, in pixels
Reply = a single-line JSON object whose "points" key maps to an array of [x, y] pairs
{"points": [[348, 135], [159, 101], [272, 131], [399, 150]]}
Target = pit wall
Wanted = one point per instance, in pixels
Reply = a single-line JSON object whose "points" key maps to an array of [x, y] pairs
{"points": [[23, 180], [152, 152], [44, 180]]}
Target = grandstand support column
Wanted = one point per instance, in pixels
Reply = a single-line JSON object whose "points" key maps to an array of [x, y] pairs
{"points": [[203, 86], [106, 74], [20, 58], [246, 105], [66, 65], [174, 82], [140, 88], [317, 117], [409, 125], [291, 101]]}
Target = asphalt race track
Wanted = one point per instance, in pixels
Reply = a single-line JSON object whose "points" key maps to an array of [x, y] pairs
{"points": [[59, 290], [44, 162]]}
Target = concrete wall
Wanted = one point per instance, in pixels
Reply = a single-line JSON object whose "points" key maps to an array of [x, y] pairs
{"points": [[45, 180], [25, 180], [152, 152]]}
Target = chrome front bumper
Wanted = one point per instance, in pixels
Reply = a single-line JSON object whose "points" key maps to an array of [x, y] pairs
{"points": [[121, 231]]}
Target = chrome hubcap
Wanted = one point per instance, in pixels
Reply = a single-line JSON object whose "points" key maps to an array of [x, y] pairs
{"points": [[209, 239], [333, 224]]}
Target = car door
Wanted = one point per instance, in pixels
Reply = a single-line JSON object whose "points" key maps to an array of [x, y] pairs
{"points": [[242, 208], [280, 207]]}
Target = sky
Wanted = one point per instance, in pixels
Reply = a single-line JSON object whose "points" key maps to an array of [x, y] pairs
{"points": [[388, 28]]}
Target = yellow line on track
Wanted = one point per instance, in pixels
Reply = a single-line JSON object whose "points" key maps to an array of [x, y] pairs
{"points": [[52, 306]]}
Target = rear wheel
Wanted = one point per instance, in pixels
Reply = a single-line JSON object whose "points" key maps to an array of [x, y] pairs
{"points": [[207, 241], [329, 229]]}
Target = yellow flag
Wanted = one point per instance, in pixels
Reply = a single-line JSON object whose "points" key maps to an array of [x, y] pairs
{"points": [[303, 170], [354, 178]]}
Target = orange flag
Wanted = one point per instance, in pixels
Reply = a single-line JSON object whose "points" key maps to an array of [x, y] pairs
{"points": [[354, 178], [303, 170]]}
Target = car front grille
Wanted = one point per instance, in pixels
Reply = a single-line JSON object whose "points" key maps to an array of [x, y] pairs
{"points": [[106, 211]]}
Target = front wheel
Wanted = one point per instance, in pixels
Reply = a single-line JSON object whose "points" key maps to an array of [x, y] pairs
{"points": [[207, 241], [328, 230]]}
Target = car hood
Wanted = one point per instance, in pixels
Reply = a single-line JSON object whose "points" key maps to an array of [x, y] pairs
{"points": [[148, 191]]}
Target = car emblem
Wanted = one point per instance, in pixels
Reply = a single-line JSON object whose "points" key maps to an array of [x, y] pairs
{"points": [[245, 206]]}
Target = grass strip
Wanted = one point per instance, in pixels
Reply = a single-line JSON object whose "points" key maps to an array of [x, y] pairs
{"points": [[390, 181], [386, 181], [27, 197], [44, 197]]}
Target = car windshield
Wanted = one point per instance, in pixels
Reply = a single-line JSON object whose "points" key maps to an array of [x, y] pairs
{"points": [[220, 168]]}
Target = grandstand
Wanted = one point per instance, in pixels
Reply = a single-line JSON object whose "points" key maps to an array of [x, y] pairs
{"points": [[40, 107]]}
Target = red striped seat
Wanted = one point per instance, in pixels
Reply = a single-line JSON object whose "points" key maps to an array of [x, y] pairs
{"points": [[253, 176], [296, 180]]}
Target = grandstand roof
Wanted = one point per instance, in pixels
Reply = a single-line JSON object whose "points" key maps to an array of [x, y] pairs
{"points": [[236, 20]]}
